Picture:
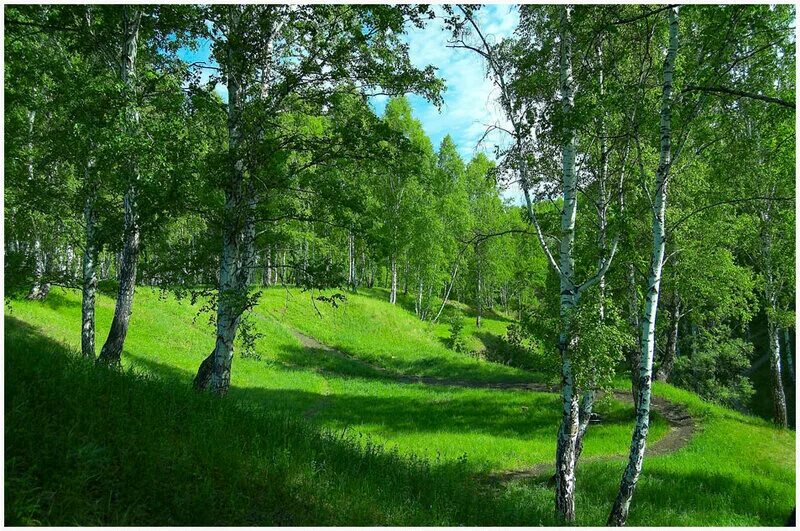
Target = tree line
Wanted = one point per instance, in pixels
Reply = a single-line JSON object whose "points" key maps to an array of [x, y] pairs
{"points": [[653, 146]]}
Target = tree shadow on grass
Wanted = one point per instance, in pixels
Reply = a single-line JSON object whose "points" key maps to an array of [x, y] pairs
{"points": [[166, 455], [383, 405], [56, 299], [458, 366], [408, 408]]}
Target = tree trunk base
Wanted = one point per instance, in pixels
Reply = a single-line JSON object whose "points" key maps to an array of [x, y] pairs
{"points": [[109, 358], [38, 292], [202, 381]]}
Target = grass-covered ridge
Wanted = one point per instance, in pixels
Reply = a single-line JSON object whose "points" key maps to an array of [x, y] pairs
{"points": [[272, 434]]}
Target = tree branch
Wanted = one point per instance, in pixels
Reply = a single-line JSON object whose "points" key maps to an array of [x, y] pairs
{"points": [[741, 93]]}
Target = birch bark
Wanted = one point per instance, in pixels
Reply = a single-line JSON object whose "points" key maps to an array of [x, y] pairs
{"points": [[39, 289], [89, 290], [214, 373], [568, 431], [112, 349], [393, 292], [778, 393], [787, 341], [619, 512], [478, 294]]}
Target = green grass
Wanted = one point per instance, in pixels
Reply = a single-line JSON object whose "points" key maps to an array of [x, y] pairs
{"points": [[307, 437], [369, 328], [496, 430]]}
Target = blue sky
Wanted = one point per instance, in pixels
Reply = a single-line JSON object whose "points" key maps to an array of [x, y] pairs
{"points": [[470, 99]]}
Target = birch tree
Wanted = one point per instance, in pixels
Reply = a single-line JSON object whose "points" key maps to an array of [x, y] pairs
{"points": [[274, 58], [523, 101], [112, 348], [619, 512]]}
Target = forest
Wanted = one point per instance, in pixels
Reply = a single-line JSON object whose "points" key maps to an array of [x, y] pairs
{"points": [[244, 284]]}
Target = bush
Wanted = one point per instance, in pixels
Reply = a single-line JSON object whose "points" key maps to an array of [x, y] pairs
{"points": [[456, 340]]}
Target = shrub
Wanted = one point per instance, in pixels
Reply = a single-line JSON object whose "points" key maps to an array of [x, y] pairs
{"points": [[456, 340]]}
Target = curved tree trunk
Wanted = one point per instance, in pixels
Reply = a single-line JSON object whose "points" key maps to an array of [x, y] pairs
{"points": [[619, 512], [447, 291], [112, 349], [238, 242]]}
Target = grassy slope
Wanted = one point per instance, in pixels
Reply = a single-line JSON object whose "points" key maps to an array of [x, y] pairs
{"points": [[496, 430], [372, 330], [737, 470]]}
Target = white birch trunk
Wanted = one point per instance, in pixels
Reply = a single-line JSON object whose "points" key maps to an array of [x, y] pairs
{"points": [[283, 268], [447, 291], [393, 291], [619, 512], [268, 269], [778, 393], [418, 303], [568, 431], [787, 341], [236, 261], [39, 289], [405, 276], [112, 349], [89, 290], [351, 255], [479, 294]]}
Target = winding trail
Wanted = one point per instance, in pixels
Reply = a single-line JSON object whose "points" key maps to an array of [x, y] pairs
{"points": [[681, 424]]}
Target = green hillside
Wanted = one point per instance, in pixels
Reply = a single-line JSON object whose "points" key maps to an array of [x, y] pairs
{"points": [[309, 435]]}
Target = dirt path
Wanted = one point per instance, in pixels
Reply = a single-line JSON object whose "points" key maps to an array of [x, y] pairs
{"points": [[681, 429], [681, 424]]}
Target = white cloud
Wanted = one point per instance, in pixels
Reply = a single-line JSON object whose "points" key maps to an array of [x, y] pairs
{"points": [[470, 101]]}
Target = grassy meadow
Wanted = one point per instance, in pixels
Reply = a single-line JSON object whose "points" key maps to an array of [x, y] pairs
{"points": [[306, 436]]}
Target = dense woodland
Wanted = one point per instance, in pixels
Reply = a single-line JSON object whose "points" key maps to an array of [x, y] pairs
{"points": [[653, 146]]}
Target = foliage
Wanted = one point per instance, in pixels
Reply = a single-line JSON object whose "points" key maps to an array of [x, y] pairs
{"points": [[456, 340]]}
